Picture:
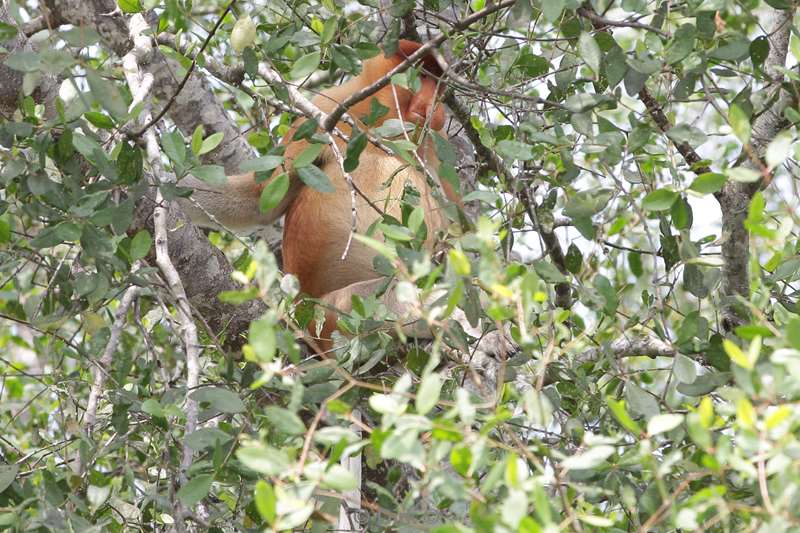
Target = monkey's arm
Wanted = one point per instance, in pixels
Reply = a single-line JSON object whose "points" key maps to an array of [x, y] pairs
{"points": [[235, 205]]}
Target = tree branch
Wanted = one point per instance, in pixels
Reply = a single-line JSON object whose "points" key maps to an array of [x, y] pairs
{"points": [[734, 198], [601, 22], [189, 71]]}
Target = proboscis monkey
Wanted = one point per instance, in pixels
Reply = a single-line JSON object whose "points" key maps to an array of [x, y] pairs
{"points": [[318, 224]]}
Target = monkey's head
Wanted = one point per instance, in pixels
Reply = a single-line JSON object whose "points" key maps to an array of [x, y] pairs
{"points": [[419, 107]]}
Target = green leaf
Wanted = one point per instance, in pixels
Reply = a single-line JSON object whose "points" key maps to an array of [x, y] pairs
{"points": [[174, 147], [7, 32], [307, 156], [428, 393], [211, 142], [96, 242], [8, 473], [591, 458], [284, 420], [338, 478], [305, 66], [684, 369], [616, 66], [552, 9], [663, 423], [780, 4], [573, 259], [682, 44], [140, 245], [590, 52], [205, 438], [97, 495], [24, 61], [262, 164], [587, 203], [5, 230], [708, 183], [315, 178], [733, 50], [265, 500], [681, 214], [211, 174], [274, 192], [793, 333], [130, 6], [759, 50], [659, 200], [86, 146], [745, 413], [108, 95], [345, 57], [640, 401], [262, 339], [743, 174], [779, 149], [737, 355], [477, 5], [195, 489], [220, 399], [704, 384], [130, 164], [515, 150], [153, 408], [396, 233], [461, 459], [68, 231], [459, 261], [548, 271], [197, 139], [329, 31], [355, 146], [740, 123], [582, 102], [100, 120], [684, 133], [263, 459]]}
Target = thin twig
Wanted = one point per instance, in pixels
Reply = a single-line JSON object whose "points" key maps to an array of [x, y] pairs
{"points": [[600, 22], [104, 362]]}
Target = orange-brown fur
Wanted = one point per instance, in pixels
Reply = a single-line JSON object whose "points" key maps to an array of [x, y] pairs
{"points": [[318, 225]]}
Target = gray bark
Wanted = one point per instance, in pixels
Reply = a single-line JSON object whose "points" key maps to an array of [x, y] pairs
{"points": [[734, 199]]}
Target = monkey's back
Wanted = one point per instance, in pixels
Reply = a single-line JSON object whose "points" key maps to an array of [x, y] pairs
{"points": [[318, 225]]}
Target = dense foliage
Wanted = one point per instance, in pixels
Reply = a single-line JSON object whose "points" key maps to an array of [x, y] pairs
{"points": [[629, 170]]}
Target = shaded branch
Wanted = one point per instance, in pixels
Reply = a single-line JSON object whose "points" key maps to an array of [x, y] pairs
{"points": [[601, 22], [647, 346]]}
